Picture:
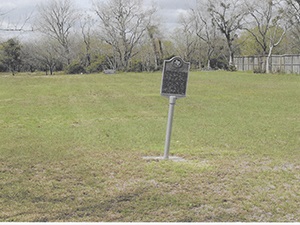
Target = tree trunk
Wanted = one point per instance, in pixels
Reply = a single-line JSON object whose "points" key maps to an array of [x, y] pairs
{"points": [[268, 60], [209, 54], [230, 48], [208, 64], [161, 49], [156, 56], [231, 57]]}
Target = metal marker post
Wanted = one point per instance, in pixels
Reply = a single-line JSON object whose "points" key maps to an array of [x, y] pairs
{"points": [[173, 86], [172, 102]]}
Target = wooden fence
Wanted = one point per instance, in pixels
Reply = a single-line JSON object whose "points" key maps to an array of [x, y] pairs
{"points": [[278, 63]]}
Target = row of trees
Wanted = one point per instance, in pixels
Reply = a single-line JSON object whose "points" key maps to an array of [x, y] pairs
{"points": [[124, 35]]}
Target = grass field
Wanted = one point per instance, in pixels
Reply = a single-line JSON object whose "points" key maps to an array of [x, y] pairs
{"points": [[72, 148]]}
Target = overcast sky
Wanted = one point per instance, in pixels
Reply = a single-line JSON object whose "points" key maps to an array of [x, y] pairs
{"points": [[17, 10]]}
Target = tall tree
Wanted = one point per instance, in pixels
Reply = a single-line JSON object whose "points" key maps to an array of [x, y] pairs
{"points": [[47, 56], [294, 12], [189, 36], [123, 24], [228, 16], [21, 26], [206, 30], [86, 25], [56, 20], [271, 22]]}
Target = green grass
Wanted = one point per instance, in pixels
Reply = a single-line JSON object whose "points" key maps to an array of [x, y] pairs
{"points": [[71, 148]]}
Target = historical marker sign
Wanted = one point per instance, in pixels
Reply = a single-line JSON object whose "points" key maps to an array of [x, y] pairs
{"points": [[175, 77], [174, 84]]}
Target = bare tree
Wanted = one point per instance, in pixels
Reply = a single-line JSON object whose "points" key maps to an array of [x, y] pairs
{"points": [[206, 30], [123, 24], [18, 25], [188, 31], [271, 22], [29, 61], [185, 39], [56, 20], [293, 9], [228, 16], [86, 25], [46, 54]]}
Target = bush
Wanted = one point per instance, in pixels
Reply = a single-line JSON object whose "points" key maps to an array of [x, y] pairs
{"points": [[258, 70], [3, 68], [95, 67], [136, 66], [219, 63], [232, 68], [75, 68]]}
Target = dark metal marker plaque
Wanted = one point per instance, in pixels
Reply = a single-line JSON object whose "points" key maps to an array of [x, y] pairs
{"points": [[175, 77]]}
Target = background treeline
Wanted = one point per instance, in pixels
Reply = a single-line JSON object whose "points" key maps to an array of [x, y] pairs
{"points": [[128, 35]]}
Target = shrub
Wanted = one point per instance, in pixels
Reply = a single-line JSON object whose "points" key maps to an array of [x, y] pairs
{"points": [[75, 68], [136, 66], [232, 68], [258, 70], [95, 67]]}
